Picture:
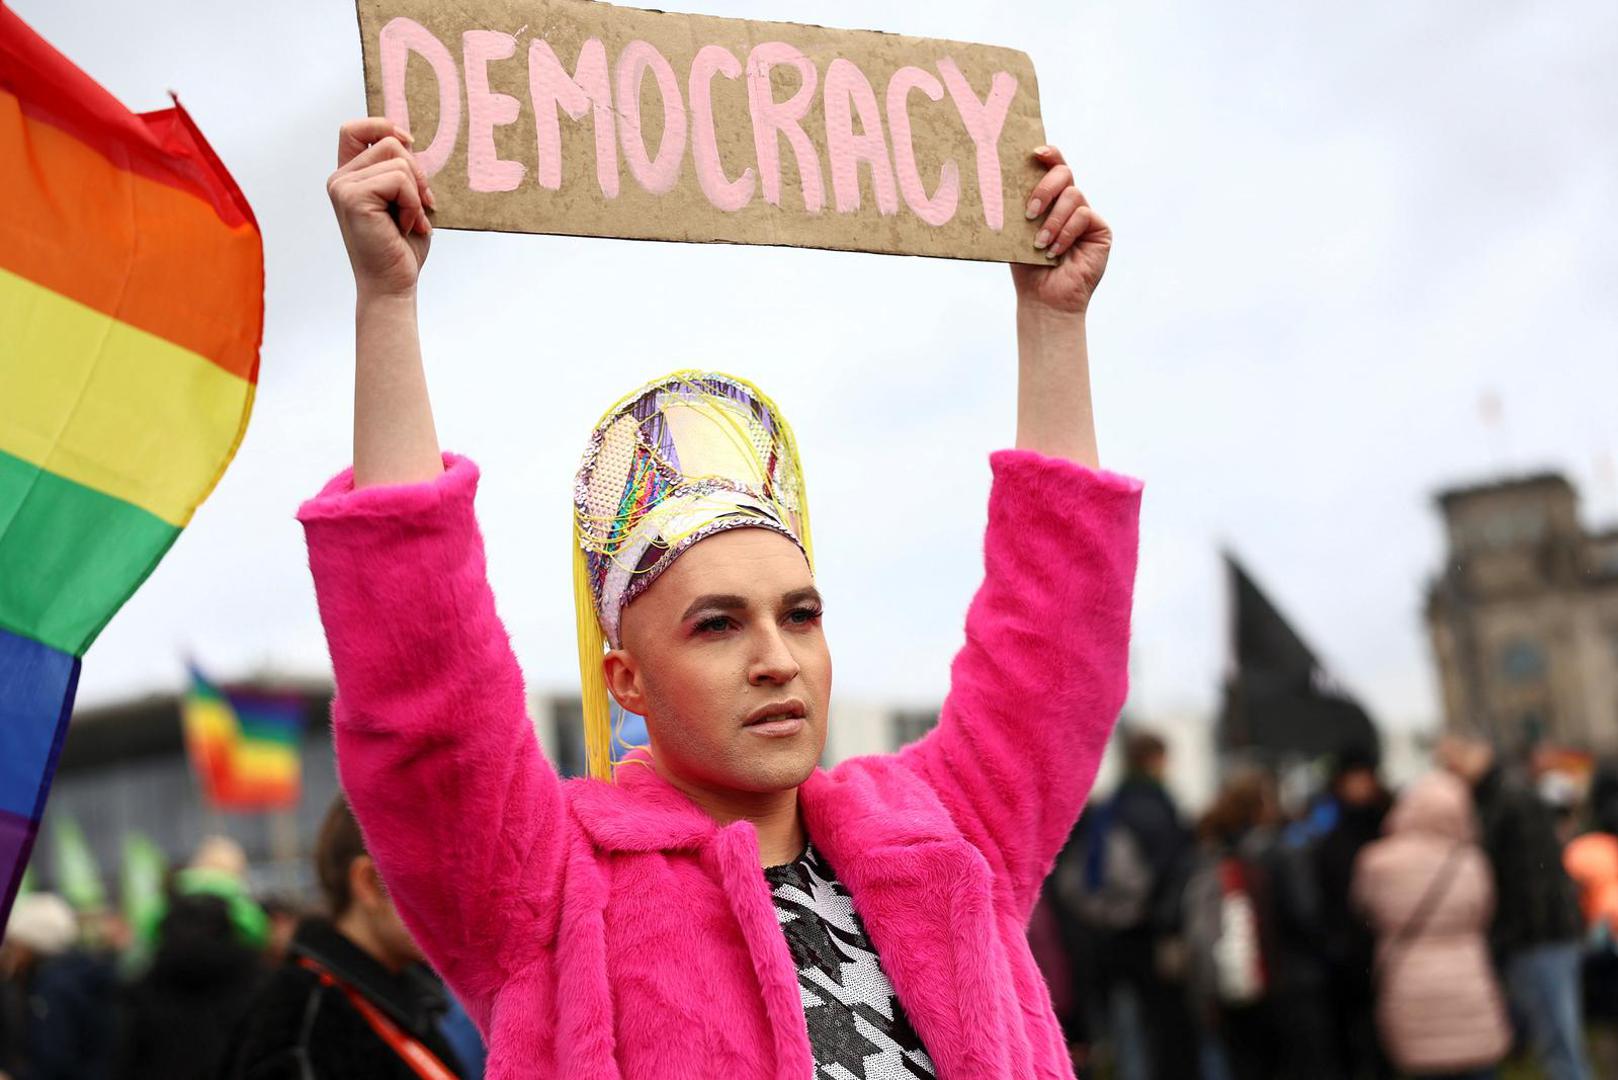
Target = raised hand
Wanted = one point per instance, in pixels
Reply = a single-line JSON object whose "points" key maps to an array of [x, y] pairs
{"points": [[1073, 236], [381, 198]]}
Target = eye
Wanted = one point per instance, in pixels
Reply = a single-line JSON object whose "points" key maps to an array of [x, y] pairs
{"points": [[714, 624], [805, 616]]}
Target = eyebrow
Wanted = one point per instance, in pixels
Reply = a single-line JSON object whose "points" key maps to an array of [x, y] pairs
{"points": [[732, 602]]}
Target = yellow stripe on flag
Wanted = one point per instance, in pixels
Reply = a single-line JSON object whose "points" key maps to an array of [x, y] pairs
{"points": [[210, 720], [112, 407], [256, 763]]}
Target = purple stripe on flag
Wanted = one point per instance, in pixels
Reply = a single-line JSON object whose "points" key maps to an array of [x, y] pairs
{"points": [[16, 841]]}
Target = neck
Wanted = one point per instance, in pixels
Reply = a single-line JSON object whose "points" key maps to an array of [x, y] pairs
{"points": [[774, 815], [353, 925]]}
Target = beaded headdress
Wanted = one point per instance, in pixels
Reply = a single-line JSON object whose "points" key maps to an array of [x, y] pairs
{"points": [[674, 462]]}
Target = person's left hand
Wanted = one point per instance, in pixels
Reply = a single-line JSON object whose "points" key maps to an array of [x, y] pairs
{"points": [[1075, 238]]}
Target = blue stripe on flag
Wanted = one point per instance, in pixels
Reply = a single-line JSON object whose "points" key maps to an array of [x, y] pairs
{"points": [[37, 684]]}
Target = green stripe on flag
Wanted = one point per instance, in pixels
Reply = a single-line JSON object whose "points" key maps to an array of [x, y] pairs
{"points": [[69, 556], [260, 732], [203, 690]]}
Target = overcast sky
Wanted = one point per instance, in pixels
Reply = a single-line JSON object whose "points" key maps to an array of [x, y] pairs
{"points": [[1337, 230]]}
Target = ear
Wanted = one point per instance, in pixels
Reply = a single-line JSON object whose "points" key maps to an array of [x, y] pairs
{"points": [[623, 680], [364, 884]]}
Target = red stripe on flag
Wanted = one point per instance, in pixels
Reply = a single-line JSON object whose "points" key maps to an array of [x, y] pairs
{"points": [[164, 146]]}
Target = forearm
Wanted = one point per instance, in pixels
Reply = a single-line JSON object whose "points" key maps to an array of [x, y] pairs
{"points": [[1038, 684], [395, 441], [1054, 415], [430, 705]]}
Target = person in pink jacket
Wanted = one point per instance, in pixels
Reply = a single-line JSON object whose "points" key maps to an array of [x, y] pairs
{"points": [[726, 908], [1428, 891]]}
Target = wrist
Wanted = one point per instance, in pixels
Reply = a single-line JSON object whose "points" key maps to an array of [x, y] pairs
{"points": [[369, 296], [385, 312], [1037, 312], [1045, 322]]}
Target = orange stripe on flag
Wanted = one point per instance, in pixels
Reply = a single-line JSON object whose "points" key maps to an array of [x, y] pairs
{"points": [[128, 246], [163, 145]]}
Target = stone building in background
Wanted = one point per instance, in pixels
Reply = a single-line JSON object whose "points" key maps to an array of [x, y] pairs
{"points": [[1524, 617]]}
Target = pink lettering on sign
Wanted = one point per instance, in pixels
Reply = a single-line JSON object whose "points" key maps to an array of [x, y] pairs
{"points": [[867, 132], [657, 175], [772, 119], [588, 89], [726, 194], [984, 121], [487, 110], [938, 208], [398, 39], [848, 92]]}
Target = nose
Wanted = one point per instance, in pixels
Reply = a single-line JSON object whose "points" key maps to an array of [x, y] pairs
{"points": [[773, 664]]}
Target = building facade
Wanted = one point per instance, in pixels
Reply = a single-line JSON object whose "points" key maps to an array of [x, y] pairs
{"points": [[1523, 618]]}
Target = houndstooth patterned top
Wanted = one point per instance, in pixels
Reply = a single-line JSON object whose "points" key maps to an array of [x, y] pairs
{"points": [[857, 1028]]}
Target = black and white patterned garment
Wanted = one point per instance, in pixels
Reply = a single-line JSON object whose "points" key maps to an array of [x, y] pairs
{"points": [[857, 1028]]}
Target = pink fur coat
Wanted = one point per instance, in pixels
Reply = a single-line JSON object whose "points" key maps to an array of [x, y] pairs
{"points": [[614, 931]]}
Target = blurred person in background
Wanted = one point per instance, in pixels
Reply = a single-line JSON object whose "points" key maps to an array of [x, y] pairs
{"points": [[1081, 1004], [57, 1000], [218, 870], [204, 972], [1229, 928], [1538, 929], [1592, 861], [1129, 886], [1358, 804], [1560, 794], [351, 1000], [1428, 890], [283, 916], [1252, 922]]}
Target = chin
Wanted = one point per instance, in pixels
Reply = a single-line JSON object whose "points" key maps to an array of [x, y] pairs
{"points": [[781, 771]]}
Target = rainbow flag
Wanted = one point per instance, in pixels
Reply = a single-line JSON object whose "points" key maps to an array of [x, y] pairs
{"points": [[131, 310], [243, 746]]}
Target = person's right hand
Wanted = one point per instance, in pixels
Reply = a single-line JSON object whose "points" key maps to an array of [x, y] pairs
{"points": [[381, 198]]}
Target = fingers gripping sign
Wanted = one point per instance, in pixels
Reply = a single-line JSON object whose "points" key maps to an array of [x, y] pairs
{"points": [[381, 197], [1073, 236]]}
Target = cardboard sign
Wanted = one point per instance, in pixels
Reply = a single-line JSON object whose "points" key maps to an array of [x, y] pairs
{"points": [[577, 117]]}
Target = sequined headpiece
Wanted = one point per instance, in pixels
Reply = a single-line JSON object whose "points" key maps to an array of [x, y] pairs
{"points": [[672, 463]]}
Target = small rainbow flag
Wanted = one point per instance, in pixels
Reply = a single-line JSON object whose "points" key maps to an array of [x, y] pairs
{"points": [[131, 310], [243, 746]]}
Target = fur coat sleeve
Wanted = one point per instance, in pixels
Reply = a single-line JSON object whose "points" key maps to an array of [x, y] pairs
{"points": [[1036, 688], [434, 744]]}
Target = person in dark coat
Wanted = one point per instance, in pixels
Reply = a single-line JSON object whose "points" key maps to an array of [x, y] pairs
{"points": [[1252, 915], [1140, 950], [178, 1016], [1359, 803], [57, 1000], [351, 1000], [1538, 928]]}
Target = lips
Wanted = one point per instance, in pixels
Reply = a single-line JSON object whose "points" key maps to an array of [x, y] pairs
{"points": [[778, 718]]}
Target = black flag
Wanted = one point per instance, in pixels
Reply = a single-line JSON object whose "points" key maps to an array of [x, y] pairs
{"points": [[1279, 699]]}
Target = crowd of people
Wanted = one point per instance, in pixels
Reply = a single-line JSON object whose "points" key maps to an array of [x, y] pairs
{"points": [[1436, 932], [1432, 933], [225, 987]]}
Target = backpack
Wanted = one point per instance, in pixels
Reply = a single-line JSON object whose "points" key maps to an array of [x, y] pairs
{"points": [[1111, 886], [1240, 976]]}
